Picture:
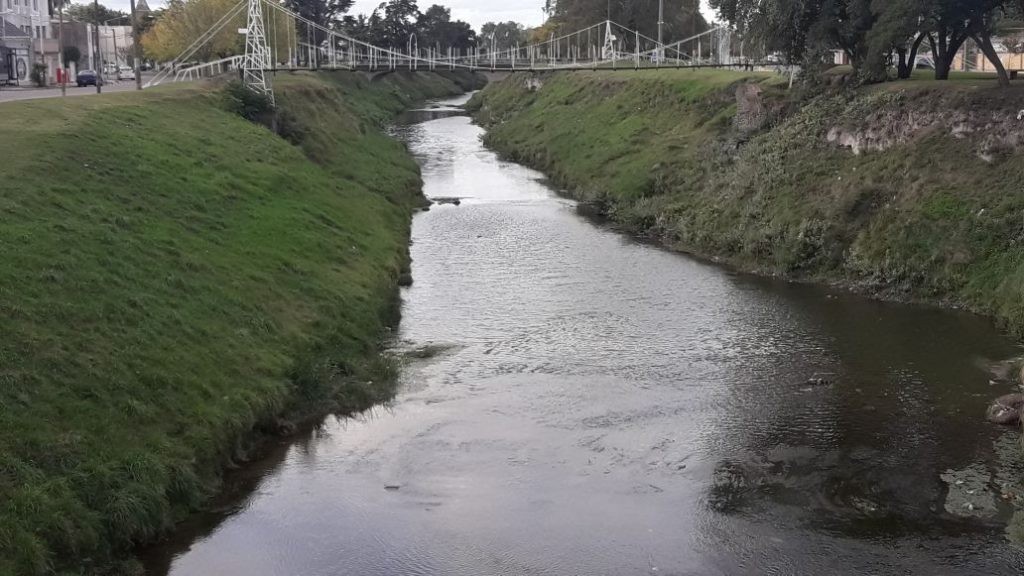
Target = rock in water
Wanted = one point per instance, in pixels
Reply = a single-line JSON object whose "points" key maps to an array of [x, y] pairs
{"points": [[1006, 409]]}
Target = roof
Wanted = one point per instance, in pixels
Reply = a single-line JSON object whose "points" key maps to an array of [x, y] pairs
{"points": [[12, 31], [142, 6]]}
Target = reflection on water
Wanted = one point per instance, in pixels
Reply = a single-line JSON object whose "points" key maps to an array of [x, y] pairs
{"points": [[604, 407]]}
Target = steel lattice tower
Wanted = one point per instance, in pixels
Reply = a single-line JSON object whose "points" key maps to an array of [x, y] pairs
{"points": [[257, 53], [608, 51]]}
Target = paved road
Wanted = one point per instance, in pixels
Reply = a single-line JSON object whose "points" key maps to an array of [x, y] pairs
{"points": [[12, 94]]}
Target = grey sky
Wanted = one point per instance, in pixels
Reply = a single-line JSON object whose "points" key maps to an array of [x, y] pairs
{"points": [[479, 12], [476, 12]]}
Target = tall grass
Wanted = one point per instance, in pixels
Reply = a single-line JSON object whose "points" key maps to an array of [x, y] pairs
{"points": [[174, 277], [928, 218]]}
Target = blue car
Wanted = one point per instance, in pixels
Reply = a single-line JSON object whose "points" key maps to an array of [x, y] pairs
{"points": [[88, 78]]}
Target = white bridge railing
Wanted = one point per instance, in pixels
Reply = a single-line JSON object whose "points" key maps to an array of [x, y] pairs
{"points": [[208, 69]]}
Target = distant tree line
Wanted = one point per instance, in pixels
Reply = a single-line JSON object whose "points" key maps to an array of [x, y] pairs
{"points": [[682, 17], [876, 35], [395, 22]]}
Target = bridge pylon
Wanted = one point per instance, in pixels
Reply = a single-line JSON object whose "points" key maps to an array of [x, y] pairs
{"points": [[257, 53]]}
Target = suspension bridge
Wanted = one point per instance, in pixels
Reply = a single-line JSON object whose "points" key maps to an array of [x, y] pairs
{"points": [[607, 45]]}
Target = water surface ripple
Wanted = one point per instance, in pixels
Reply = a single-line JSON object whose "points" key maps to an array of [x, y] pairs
{"points": [[603, 407]]}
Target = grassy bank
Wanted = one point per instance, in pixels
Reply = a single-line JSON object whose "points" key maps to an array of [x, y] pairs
{"points": [[176, 279], [908, 190]]}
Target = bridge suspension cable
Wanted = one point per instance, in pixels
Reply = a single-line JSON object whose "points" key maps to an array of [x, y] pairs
{"points": [[605, 45]]}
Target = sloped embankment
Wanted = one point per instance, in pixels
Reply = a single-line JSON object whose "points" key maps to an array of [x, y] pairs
{"points": [[175, 279], [907, 190]]}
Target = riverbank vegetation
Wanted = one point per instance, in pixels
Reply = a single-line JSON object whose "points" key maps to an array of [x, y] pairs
{"points": [[876, 36], [909, 191], [177, 280]]}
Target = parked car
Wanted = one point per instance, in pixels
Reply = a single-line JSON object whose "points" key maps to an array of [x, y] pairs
{"points": [[88, 78], [126, 73]]}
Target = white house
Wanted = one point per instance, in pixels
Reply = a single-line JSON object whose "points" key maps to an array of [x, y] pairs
{"points": [[34, 44]]}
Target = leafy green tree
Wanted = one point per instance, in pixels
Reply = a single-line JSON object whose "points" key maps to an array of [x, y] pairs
{"points": [[326, 13], [870, 30], [88, 12], [436, 28], [398, 23], [682, 17], [899, 29], [952, 22], [985, 17], [782, 26], [503, 35], [72, 55]]}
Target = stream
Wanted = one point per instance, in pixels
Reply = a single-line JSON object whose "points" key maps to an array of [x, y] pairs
{"points": [[582, 403]]}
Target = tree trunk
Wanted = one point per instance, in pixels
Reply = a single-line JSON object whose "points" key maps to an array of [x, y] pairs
{"points": [[903, 69], [945, 51], [984, 41], [906, 69]]}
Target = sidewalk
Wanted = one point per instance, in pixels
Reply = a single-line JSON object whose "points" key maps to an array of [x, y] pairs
{"points": [[14, 93]]}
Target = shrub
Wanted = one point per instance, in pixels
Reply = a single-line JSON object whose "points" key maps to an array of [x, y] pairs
{"points": [[250, 105], [288, 127], [71, 55], [38, 74]]}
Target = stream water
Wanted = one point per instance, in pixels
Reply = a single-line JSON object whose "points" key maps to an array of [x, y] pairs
{"points": [[598, 406]]}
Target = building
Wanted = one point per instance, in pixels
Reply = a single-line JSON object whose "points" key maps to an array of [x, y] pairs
{"points": [[116, 46], [26, 37]]}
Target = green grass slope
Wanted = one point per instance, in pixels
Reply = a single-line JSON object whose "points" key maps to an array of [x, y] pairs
{"points": [[174, 278], [930, 210]]}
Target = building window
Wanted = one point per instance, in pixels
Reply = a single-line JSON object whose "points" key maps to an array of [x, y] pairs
{"points": [[35, 5]]}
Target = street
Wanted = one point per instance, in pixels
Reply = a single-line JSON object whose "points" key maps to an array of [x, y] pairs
{"points": [[13, 94]]}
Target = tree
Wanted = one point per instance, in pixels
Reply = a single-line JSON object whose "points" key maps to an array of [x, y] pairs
{"points": [[326, 13], [183, 21], [72, 55], [779, 26], [899, 28], [682, 17], [436, 28], [802, 29], [399, 22], [946, 24], [87, 12], [505, 35], [845, 24], [984, 17]]}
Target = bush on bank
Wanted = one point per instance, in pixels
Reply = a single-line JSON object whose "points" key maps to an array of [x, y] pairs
{"points": [[909, 191], [174, 280]]}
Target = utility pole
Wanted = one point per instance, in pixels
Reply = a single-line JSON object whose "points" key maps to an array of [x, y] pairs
{"points": [[136, 45], [113, 34], [60, 48], [99, 53], [31, 43], [661, 26]]}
